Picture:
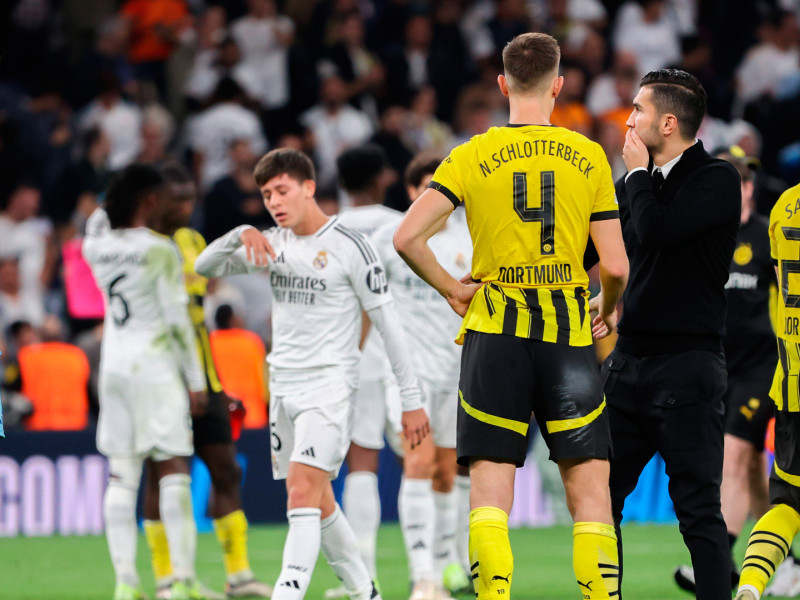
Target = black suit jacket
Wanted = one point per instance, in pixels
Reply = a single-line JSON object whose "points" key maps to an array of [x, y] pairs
{"points": [[680, 240]]}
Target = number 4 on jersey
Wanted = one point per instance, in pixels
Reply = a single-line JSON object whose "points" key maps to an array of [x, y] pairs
{"points": [[545, 214]]}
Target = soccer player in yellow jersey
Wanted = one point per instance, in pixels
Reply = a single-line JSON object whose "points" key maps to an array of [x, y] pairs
{"points": [[213, 441], [772, 535], [533, 195]]}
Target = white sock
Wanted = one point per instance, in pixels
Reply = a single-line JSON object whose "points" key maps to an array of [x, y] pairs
{"points": [[417, 512], [119, 510], [462, 521], [444, 531], [300, 554], [175, 505], [340, 547], [752, 588], [362, 507]]}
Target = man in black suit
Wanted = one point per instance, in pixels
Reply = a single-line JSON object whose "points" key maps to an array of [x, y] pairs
{"points": [[665, 380]]}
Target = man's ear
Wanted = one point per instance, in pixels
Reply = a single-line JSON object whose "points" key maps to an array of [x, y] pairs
{"points": [[669, 124], [502, 82], [558, 83], [309, 187]]}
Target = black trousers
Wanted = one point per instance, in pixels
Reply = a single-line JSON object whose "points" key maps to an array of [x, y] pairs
{"points": [[673, 404]]}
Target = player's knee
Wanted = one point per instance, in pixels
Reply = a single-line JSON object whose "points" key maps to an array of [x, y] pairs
{"points": [[362, 459], [302, 493], [124, 473], [226, 476], [444, 479], [419, 465]]}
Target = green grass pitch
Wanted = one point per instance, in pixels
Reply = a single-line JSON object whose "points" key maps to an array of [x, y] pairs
{"points": [[72, 568]]}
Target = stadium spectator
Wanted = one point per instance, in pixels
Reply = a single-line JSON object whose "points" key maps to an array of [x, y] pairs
{"points": [[239, 355], [215, 56], [158, 127], [426, 59], [360, 69], [570, 110], [774, 58], [510, 20], [54, 377], [473, 113], [235, 199], [263, 36], [154, 27], [390, 138], [17, 303], [213, 130], [424, 131], [16, 407], [83, 181], [644, 28], [120, 120], [25, 235], [616, 88], [108, 54], [334, 125]]}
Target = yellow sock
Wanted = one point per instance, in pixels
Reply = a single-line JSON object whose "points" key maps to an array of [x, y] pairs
{"points": [[159, 551], [490, 553], [769, 544], [595, 560], [232, 535]]}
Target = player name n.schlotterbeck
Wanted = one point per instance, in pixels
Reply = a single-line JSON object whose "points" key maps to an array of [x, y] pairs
{"points": [[527, 149]]}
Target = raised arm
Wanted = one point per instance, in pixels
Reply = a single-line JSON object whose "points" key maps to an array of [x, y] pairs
{"points": [[425, 217], [241, 250]]}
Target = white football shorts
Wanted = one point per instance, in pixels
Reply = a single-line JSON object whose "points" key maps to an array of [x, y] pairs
{"points": [[143, 419], [441, 404], [378, 411], [311, 426]]}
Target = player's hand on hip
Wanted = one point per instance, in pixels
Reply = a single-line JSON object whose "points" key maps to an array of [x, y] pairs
{"points": [[416, 426], [198, 403], [634, 152], [258, 248], [462, 297]]}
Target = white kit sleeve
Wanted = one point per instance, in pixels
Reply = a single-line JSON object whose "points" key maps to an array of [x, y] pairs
{"points": [[226, 256], [384, 318], [174, 302]]}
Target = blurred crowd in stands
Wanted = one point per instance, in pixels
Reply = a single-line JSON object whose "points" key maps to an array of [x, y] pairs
{"points": [[88, 87]]}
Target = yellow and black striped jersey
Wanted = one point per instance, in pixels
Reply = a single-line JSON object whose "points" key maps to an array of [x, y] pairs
{"points": [[530, 192], [190, 244], [784, 240]]}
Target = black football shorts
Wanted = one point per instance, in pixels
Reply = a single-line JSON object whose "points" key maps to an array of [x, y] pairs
{"points": [[504, 379]]}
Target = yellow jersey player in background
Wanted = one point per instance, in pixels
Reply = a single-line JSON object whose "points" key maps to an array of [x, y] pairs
{"points": [[772, 535], [533, 195], [213, 441]]}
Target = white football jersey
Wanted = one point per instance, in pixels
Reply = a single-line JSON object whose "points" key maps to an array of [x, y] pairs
{"points": [[367, 220], [320, 284], [146, 316], [429, 322]]}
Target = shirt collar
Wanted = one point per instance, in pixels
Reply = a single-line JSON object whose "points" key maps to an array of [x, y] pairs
{"points": [[665, 169]]}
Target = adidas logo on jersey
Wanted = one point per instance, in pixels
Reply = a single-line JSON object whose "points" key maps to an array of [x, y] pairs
{"points": [[292, 583], [309, 452], [420, 545]]}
